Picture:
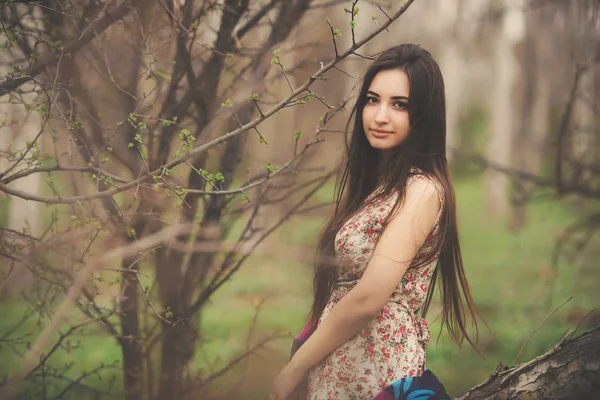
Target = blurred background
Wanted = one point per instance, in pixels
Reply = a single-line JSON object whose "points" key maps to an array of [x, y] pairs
{"points": [[119, 120]]}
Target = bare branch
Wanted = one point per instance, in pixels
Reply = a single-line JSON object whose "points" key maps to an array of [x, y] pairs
{"points": [[109, 18], [215, 142], [9, 390], [538, 327], [58, 168]]}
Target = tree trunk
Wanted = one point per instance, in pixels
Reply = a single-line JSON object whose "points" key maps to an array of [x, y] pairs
{"points": [[502, 121], [571, 370], [130, 331], [179, 281], [582, 137], [534, 127]]}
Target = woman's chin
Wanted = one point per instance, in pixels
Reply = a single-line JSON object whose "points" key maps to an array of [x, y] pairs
{"points": [[381, 145]]}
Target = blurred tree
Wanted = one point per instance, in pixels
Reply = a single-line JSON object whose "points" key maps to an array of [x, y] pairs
{"points": [[20, 128], [134, 140], [532, 108], [565, 31], [510, 35], [459, 22]]}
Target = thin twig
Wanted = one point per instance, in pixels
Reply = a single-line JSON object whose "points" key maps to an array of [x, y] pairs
{"points": [[11, 385], [352, 22], [337, 55], [538, 327], [212, 143]]}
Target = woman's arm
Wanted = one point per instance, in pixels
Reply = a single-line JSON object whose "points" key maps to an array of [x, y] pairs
{"points": [[398, 245]]}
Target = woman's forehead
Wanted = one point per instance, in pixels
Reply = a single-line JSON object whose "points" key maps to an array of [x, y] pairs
{"points": [[391, 83]]}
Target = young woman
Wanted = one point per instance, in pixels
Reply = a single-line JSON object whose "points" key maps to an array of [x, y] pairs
{"points": [[393, 235]]}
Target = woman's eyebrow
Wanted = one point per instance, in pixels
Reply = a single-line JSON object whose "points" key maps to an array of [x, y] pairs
{"points": [[393, 97]]}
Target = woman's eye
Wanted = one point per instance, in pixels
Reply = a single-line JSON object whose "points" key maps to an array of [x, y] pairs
{"points": [[371, 100], [401, 105]]}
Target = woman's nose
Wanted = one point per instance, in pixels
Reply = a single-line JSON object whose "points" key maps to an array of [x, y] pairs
{"points": [[381, 116]]}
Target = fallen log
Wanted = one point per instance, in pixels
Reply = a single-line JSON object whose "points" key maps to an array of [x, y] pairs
{"points": [[570, 370]]}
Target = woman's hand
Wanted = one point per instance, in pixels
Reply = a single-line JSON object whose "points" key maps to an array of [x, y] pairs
{"points": [[286, 381]]}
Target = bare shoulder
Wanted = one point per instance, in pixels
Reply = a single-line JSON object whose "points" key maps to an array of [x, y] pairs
{"points": [[424, 189], [412, 222], [425, 183]]}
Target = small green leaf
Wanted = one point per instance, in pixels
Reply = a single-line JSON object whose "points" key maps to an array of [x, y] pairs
{"points": [[270, 167], [298, 134], [163, 75], [185, 134]]}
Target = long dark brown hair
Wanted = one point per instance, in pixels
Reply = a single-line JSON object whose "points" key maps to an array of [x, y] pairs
{"points": [[362, 173]]}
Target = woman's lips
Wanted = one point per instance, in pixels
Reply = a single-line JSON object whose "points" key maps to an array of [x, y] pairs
{"points": [[380, 134]]}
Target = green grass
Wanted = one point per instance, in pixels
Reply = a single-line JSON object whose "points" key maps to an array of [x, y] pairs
{"points": [[82, 352], [509, 274]]}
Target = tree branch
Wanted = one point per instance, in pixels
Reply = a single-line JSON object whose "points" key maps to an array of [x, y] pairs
{"points": [[70, 48], [215, 142], [569, 370]]}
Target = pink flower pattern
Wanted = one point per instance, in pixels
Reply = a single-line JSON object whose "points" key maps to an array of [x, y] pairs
{"points": [[393, 345]]}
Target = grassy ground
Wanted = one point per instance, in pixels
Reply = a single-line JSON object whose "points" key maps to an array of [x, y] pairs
{"points": [[510, 276], [509, 273]]}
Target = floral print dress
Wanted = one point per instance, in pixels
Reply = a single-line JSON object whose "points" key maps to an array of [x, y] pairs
{"points": [[393, 345]]}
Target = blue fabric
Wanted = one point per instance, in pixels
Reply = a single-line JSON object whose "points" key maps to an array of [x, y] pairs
{"points": [[424, 387]]}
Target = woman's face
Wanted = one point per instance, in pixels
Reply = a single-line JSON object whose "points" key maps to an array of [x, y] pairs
{"points": [[385, 116]]}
